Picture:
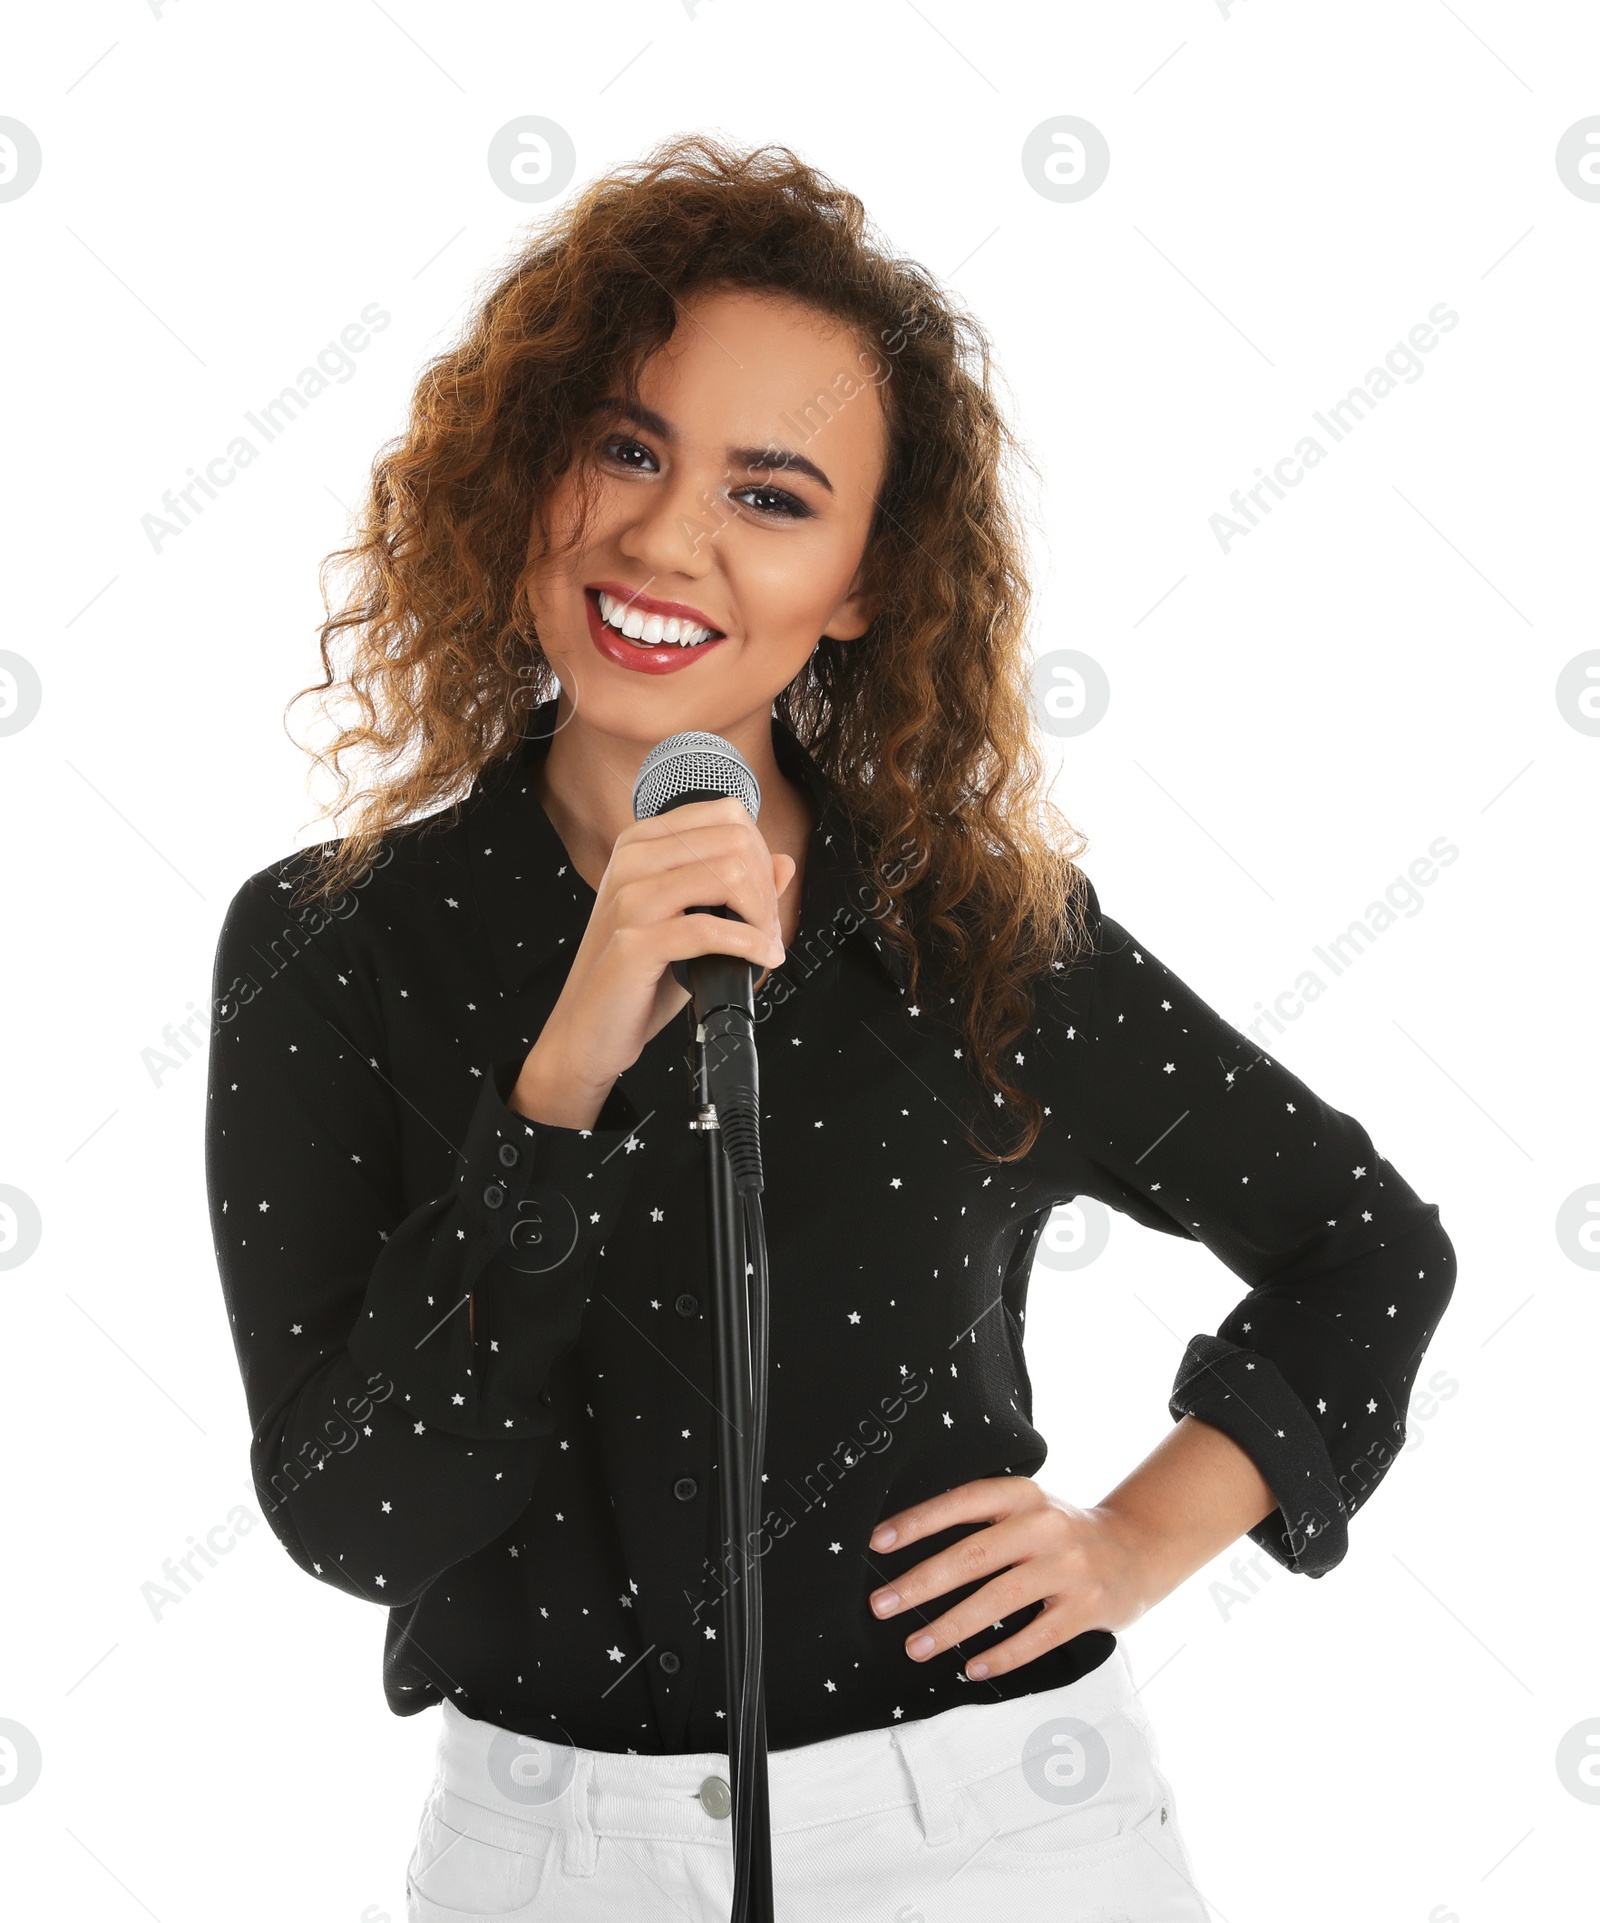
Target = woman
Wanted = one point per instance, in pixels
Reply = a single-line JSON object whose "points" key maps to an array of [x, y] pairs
{"points": [[709, 458]]}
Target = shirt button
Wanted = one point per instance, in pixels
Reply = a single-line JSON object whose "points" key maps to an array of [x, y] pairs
{"points": [[670, 1661], [686, 1488], [687, 1305], [508, 1155], [493, 1196], [716, 1799]]}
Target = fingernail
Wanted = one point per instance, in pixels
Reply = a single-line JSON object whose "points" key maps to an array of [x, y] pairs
{"points": [[923, 1646], [883, 1538], [886, 1602], [977, 1671]]}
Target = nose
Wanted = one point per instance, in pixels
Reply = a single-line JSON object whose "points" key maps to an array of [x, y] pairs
{"points": [[674, 525]]}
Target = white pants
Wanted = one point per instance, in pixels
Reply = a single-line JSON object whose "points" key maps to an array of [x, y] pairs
{"points": [[1044, 1806]]}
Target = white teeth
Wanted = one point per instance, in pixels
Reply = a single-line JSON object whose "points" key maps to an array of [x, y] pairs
{"points": [[653, 630]]}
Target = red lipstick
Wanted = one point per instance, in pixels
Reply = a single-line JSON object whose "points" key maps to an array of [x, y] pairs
{"points": [[665, 657]]}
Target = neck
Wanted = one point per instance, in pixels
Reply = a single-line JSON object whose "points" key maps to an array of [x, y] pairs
{"points": [[585, 784]]}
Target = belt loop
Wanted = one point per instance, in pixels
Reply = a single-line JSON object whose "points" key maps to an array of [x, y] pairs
{"points": [[577, 1834], [930, 1778]]}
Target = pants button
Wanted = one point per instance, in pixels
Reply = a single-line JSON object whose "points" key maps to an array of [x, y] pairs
{"points": [[716, 1799]]}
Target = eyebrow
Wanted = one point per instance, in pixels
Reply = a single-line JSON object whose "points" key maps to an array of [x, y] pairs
{"points": [[757, 458]]}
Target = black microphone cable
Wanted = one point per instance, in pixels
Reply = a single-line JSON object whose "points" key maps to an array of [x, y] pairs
{"points": [[754, 1844]]}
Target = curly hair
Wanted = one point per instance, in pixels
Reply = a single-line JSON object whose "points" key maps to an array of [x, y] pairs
{"points": [[923, 725]]}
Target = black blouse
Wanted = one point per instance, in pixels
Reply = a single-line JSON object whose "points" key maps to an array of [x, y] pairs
{"points": [[477, 1353]]}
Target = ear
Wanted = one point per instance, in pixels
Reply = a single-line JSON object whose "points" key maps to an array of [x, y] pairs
{"points": [[853, 615]]}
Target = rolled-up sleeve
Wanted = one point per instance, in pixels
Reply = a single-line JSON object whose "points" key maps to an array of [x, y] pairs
{"points": [[1191, 1127]]}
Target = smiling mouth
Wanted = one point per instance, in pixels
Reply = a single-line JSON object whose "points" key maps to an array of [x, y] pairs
{"points": [[649, 631]]}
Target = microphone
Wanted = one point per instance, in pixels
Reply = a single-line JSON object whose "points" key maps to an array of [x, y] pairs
{"points": [[697, 766]]}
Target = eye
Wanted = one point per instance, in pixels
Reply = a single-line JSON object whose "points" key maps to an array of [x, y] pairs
{"points": [[617, 447], [781, 504]]}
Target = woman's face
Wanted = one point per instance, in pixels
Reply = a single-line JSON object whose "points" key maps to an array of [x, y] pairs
{"points": [[739, 493]]}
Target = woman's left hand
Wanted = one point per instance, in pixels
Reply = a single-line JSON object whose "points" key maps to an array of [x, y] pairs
{"points": [[1086, 1565]]}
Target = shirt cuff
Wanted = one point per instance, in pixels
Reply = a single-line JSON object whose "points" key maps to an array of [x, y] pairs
{"points": [[1243, 1394], [530, 1207]]}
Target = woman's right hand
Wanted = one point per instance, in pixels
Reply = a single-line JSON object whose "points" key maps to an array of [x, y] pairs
{"points": [[621, 990]]}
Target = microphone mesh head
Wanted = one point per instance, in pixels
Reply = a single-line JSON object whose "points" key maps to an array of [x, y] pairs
{"points": [[697, 765]]}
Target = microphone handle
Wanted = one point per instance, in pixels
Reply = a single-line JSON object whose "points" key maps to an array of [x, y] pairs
{"points": [[722, 988], [727, 984]]}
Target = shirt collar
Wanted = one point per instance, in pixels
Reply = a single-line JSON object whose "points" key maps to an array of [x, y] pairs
{"points": [[537, 905]]}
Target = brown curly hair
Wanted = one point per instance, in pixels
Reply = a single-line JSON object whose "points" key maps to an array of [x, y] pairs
{"points": [[924, 725]]}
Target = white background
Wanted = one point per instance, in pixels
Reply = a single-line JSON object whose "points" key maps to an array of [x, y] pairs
{"points": [[1291, 190]]}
